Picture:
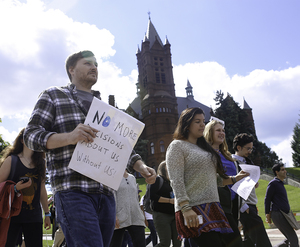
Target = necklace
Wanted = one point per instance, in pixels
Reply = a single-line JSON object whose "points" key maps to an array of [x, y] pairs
{"points": [[28, 161]]}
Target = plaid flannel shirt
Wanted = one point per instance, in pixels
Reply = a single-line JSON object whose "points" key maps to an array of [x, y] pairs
{"points": [[58, 110]]}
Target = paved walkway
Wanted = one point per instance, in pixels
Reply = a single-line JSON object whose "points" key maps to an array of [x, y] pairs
{"points": [[275, 236]]}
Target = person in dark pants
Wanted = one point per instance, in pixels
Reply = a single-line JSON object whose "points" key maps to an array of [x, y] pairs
{"points": [[149, 223], [55, 127], [127, 240], [277, 204], [27, 169], [163, 209], [214, 133], [129, 216], [253, 226]]}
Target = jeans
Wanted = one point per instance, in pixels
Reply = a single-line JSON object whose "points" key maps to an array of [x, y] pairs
{"points": [[153, 236], [86, 219]]}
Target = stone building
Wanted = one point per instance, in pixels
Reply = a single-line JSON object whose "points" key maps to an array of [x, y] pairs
{"points": [[156, 103]]}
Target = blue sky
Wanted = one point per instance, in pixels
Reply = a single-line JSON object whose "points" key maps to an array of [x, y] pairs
{"points": [[249, 49]]}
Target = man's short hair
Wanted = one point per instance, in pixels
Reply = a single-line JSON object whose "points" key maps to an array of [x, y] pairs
{"points": [[73, 59], [242, 140], [277, 167]]}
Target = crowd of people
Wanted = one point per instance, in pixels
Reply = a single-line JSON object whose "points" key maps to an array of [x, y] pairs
{"points": [[191, 198]]}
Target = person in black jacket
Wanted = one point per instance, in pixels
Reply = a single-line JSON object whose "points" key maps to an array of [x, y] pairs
{"points": [[253, 227], [162, 202]]}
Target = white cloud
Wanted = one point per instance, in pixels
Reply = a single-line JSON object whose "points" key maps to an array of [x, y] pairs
{"points": [[272, 95], [33, 54], [34, 50], [284, 151], [9, 136], [37, 41], [28, 25]]}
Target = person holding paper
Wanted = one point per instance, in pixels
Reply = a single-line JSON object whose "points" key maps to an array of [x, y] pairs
{"points": [[214, 134], [85, 207], [277, 206], [195, 170], [253, 227]]}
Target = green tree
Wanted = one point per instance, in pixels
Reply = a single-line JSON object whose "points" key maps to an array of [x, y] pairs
{"points": [[263, 155], [141, 148], [219, 97], [3, 144], [234, 117], [295, 144], [236, 122]]}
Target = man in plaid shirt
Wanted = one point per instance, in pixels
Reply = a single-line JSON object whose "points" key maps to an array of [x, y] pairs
{"points": [[85, 208]]}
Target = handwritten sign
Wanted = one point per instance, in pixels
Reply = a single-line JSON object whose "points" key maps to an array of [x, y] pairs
{"points": [[105, 159]]}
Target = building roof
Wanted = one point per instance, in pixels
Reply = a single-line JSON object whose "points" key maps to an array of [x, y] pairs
{"points": [[182, 102], [167, 41], [152, 34], [136, 106], [245, 105], [186, 102]]}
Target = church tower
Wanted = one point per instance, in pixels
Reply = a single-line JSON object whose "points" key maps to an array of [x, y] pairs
{"points": [[249, 118], [156, 93]]}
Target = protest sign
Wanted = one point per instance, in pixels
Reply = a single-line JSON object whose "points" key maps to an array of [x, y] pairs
{"points": [[105, 159]]}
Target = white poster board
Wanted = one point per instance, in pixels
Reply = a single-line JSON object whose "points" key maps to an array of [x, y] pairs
{"points": [[105, 159]]}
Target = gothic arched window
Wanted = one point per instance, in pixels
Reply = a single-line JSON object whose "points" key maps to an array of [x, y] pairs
{"points": [[152, 148], [162, 146]]}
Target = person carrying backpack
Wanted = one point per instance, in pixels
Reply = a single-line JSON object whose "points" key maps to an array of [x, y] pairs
{"points": [[162, 203], [149, 223]]}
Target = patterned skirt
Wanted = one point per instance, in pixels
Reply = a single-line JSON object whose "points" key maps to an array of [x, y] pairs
{"points": [[214, 219]]}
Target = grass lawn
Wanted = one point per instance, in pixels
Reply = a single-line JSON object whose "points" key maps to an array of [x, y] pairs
{"points": [[142, 185], [294, 170], [293, 196], [47, 243]]}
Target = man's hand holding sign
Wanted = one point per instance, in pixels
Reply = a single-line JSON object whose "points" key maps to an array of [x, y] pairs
{"points": [[105, 142]]}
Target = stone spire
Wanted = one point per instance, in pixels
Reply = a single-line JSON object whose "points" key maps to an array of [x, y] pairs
{"points": [[245, 105], [152, 34], [189, 90]]}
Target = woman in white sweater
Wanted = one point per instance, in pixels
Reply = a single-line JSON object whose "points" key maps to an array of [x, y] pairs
{"points": [[195, 170], [129, 214]]}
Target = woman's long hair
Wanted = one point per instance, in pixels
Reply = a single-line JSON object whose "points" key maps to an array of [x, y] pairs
{"points": [[162, 170], [182, 132], [37, 158], [208, 135]]}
